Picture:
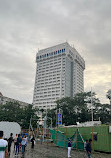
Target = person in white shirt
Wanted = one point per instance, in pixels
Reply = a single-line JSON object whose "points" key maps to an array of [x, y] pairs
{"points": [[3, 146], [24, 141], [15, 140]]}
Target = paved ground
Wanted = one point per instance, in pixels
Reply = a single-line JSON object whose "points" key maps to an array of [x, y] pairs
{"points": [[51, 151]]}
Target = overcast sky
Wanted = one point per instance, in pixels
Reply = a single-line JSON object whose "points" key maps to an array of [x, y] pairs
{"points": [[26, 25]]}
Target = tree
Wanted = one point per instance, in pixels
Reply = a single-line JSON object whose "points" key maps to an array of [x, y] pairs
{"points": [[52, 114], [102, 112], [78, 109], [108, 95], [12, 112], [69, 113], [27, 113]]}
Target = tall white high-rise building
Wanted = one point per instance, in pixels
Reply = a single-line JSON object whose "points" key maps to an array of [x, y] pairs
{"points": [[59, 73]]}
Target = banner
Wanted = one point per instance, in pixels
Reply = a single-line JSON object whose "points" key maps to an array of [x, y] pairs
{"points": [[59, 119]]}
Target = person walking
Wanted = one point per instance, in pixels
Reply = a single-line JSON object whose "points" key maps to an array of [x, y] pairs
{"points": [[3, 146], [18, 144], [33, 141], [10, 143], [88, 148], [15, 140], [23, 143], [69, 147]]}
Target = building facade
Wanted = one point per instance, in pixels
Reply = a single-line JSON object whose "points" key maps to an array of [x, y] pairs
{"points": [[59, 73], [4, 100]]}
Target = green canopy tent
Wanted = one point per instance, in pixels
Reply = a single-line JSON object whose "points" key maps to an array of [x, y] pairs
{"points": [[77, 141], [60, 140]]}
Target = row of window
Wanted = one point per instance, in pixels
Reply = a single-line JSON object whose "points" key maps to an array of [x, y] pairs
{"points": [[51, 93], [49, 88], [50, 68], [47, 106], [49, 65], [80, 63], [45, 100], [54, 79], [50, 61], [51, 54], [48, 85], [49, 75], [51, 71]]}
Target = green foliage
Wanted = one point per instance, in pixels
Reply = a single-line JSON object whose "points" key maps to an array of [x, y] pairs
{"points": [[12, 112], [102, 111], [51, 114], [78, 109], [108, 94]]}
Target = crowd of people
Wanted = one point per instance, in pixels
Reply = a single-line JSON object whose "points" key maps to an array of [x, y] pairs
{"points": [[20, 143]]}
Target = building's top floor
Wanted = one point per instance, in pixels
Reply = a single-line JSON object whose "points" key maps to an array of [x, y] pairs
{"points": [[60, 49]]}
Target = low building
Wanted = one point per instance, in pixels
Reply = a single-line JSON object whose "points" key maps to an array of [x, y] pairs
{"points": [[4, 100]]}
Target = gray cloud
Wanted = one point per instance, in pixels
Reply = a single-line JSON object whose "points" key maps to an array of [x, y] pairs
{"points": [[28, 25]]}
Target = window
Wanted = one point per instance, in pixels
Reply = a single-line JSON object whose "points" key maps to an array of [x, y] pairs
{"points": [[95, 136]]}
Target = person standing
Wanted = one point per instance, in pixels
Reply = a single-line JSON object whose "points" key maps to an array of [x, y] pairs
{"points": [[88, 148], [33, 141], [85, 144], [69, 147], [3, 146], [10, 143]]}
